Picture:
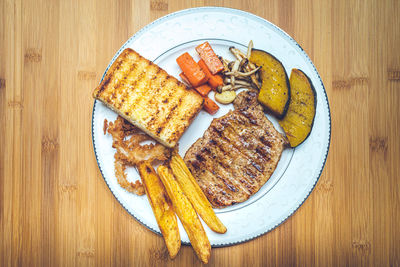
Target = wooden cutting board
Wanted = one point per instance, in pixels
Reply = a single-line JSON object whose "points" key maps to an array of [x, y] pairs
{"points": [[55, 208]]}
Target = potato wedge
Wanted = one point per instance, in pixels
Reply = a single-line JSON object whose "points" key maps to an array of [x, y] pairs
{"points": [[186, 214], [275, 88], [299, 118], [195, 195], [162, 207]]}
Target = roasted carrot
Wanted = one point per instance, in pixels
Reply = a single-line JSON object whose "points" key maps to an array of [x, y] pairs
{"points": [[184, 78], [191, 70], [213, 80], [203, 90], [210, 106], [210, 58]]}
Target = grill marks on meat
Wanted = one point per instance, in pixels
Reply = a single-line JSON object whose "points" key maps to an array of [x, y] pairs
{"points": [[237, 154]]}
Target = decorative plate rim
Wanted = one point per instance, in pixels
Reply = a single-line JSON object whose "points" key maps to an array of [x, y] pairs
{"points": [[226, 10]]}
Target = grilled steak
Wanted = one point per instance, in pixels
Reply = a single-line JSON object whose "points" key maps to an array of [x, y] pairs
{"points": [[237, 154], [149, 98]]}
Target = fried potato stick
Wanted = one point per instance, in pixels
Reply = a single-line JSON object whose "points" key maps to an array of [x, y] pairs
{"points": [[162, 207], [195, 195], [186, 214]]}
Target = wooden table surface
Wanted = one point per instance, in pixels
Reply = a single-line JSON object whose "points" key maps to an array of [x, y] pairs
{"points": [[55, 208]]}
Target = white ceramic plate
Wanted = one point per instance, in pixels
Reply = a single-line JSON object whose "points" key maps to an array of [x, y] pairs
{"points": [[299, 169]]}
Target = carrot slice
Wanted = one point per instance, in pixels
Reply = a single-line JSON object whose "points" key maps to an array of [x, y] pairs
{"points": [[210, 58], [203, 90], [184, 78], [210, 106], [213, 80], [191, 70]]}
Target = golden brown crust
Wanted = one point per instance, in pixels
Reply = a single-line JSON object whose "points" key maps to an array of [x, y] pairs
{"points": [[149, 98], [126, 140]]}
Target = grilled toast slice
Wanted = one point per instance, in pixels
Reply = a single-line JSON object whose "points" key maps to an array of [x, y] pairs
{"points": [[149, 98]]}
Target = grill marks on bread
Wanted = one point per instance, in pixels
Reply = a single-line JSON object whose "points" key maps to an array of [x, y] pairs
{"points": [[146, 96]]}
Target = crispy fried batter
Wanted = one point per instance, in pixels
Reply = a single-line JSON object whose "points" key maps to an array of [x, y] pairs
{"points": [[136, 188], [105, 126], [127, 141]]}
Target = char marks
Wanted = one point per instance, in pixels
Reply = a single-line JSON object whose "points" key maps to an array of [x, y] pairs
{"points": [[237, 154], [148, 97]]}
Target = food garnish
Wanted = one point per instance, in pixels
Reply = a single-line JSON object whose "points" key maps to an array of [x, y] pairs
{"points": [[300, 115], [193, 192], [162, 207], [275, 89], [186, 213]]}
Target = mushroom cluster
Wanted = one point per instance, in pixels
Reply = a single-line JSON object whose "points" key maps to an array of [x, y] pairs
{"points": [[239, 73]]}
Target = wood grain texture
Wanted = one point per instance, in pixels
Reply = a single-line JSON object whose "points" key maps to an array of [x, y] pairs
{"points": [[56, 210]]}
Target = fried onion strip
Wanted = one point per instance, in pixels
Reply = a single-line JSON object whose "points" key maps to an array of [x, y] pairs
{"points": [[127, 140]]}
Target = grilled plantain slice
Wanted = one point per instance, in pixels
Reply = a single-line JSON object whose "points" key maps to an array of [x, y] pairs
{"points": [[275, 88], [299, 118]]}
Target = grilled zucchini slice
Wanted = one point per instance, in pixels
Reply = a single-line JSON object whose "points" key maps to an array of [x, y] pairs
{"points": [[275, 88], [299, 118]]}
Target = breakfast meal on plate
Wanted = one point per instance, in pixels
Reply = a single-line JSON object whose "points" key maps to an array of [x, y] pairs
{"points": [[149, 98], [238, 152]]}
